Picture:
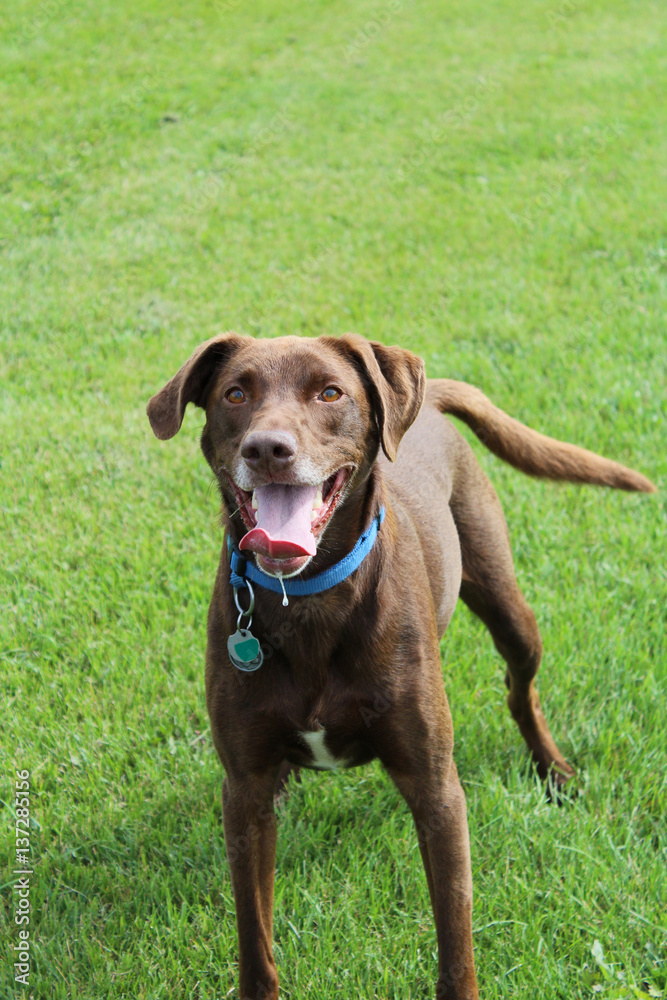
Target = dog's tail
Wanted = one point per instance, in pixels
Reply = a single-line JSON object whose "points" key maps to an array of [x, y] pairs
{"points": [[524, 448]]}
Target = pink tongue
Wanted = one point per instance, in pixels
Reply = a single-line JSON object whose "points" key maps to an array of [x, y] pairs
{"points": [[283, 522]]}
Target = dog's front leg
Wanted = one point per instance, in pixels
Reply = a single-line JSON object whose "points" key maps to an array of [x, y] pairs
{"points": [[438, 806], [250, 842]]}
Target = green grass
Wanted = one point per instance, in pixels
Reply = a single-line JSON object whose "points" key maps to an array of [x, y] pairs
{"points": [[483, 183]]}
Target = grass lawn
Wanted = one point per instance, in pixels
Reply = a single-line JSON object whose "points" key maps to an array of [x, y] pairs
{"points": [[483, 183]]}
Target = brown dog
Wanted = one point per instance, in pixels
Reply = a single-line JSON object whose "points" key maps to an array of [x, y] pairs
{"points": [[293, 433]]}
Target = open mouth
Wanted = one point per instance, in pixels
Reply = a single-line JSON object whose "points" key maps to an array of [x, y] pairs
{"points": [[284, 521]]}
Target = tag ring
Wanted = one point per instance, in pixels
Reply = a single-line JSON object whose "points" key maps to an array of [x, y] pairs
{"points": [[251, 606]]}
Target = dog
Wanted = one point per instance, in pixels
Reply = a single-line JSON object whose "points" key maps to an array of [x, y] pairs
{"points": [[355, 516]]}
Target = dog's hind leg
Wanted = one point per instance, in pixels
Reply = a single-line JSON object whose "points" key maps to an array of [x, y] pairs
{"points": [[281, 790], [490, 590]]}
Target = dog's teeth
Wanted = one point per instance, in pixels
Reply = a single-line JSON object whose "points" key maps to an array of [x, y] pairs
{"points": [[313, 515], [317, 502], [254, 499]]}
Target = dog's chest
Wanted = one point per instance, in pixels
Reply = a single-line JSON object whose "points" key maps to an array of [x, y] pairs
{"points": [[327, 750], [322, 757]]}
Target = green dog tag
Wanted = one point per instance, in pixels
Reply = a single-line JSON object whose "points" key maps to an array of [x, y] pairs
{"points": [[244, 650]]}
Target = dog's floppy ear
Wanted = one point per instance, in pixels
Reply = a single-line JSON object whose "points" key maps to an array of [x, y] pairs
{"points": [[395, 379], [190, 384]]}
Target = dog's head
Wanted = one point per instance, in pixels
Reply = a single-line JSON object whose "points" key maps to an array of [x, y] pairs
{"points": [[293, 426]]}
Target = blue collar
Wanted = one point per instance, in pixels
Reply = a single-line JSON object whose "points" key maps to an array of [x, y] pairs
{"points": [[242, 569]]}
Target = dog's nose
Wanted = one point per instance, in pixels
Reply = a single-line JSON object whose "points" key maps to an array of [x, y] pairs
{"points": [[269, 450]]}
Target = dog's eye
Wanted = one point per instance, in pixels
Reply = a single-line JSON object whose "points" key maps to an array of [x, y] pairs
{"points": [[330, 394], [236, 395]]}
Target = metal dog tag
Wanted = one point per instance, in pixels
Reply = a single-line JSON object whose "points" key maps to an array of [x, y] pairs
{"points": [[245, 651]]}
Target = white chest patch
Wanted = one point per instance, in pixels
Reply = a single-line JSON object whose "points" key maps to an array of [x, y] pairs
{"points": [[322, 756]]}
